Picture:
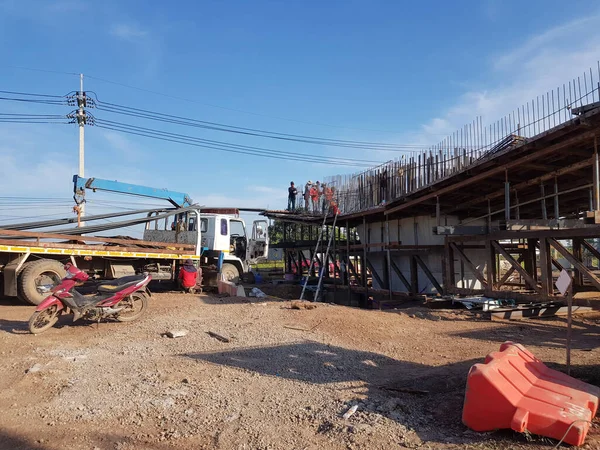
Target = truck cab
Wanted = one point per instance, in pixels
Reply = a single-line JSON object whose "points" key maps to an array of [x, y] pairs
{"points": [[220, 236]]}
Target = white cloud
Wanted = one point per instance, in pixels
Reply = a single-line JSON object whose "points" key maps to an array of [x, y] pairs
{"points": [[129, 32], [541, 43], [543, 63]]}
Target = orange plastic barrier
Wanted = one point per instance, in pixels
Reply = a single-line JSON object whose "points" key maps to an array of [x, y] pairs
{"points": [[514, 389]]}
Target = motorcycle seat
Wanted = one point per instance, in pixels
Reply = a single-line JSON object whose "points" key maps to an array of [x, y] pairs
{"points": [[119, 284]]}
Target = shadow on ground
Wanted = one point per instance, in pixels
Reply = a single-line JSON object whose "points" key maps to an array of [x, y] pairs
{"points": [[435, 415], [10, 441], [540, 332]]}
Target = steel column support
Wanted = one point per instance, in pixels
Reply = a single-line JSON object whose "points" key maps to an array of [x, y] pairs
{"points": [[347, 281], [543, 202], [490, 265], [577, 253], [388, 257], [449, 280], [414, 276], [546, 268], [596, 175], [556, 211], [506, 197], [363, 263]]}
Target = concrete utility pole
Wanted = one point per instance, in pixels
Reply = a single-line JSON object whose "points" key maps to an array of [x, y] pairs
{"points": [[81, 119]]}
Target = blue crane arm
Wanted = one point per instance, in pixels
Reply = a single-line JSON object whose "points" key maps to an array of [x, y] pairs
{"points": [[178, 199]]}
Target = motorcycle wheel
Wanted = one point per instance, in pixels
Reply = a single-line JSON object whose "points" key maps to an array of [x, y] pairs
{"points": [[43, 320], [133, 307]]}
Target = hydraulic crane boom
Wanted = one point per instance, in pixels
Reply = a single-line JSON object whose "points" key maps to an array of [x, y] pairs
{"points": [[178, 199]]}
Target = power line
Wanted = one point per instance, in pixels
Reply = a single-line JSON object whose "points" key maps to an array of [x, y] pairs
{"points": [[179, 120], [232, 148], [230, 145], [31, 100], [32, 95]]}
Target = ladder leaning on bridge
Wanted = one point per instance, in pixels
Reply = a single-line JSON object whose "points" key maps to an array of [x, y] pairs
{"points": [[325, 265]]}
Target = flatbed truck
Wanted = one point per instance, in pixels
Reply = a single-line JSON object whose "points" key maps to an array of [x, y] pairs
{"points": [[31, 262]]}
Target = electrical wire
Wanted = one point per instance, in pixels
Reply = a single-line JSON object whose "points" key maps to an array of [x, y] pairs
{"points": [[215, 126], [232, 148], [33, 100], [230, 145], [31, 94]]}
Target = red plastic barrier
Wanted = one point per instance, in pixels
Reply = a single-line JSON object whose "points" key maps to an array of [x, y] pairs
{"points": [[514, 389]]}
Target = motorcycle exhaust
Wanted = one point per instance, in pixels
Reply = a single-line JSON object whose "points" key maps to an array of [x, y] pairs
{"points": [[110, 311]]}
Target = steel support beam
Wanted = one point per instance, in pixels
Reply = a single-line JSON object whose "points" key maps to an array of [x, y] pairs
{"points": [[428, 274], [469, 264], [398, 272], [527, 277], [575, 262]]}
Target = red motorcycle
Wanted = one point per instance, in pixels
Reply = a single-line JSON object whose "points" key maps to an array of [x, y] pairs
{"points": [[125, 299]]}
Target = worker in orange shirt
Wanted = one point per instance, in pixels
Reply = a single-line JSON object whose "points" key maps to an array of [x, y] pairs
{"points": [[314, 197]]}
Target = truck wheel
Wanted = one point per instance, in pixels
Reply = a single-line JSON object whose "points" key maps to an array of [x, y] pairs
{"points": [[230, 273], [38, 278]]}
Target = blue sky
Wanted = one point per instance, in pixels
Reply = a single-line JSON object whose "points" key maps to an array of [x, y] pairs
{"points": [[384, 71]]}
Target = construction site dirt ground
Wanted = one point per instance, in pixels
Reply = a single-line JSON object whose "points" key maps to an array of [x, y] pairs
{"points": [[283, 381]]}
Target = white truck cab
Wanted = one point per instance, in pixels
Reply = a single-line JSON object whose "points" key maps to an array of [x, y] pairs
{"points": [[215, 230]]}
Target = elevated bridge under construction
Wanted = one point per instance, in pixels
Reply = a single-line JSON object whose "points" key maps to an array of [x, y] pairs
{"points": [[497, 211]]}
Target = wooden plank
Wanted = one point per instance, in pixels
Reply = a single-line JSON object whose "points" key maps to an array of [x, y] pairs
{"points": [[99, 248], [532, 313], [576, 263], [429, 275], [499, 169], [384, 292], [469, 264], [527, 277], [66, 237]]}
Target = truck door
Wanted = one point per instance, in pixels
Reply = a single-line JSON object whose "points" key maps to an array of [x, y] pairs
{"points": [[258, 245]]}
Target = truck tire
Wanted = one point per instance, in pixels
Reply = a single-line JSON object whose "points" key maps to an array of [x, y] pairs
{"points": [[230, 273], [38, 278]]}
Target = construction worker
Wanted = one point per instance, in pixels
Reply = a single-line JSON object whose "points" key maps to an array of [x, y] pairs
{"points": [[188, 276], [292, 192], [319, 194], [314, 197], [327, 197], [307, 187]]}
